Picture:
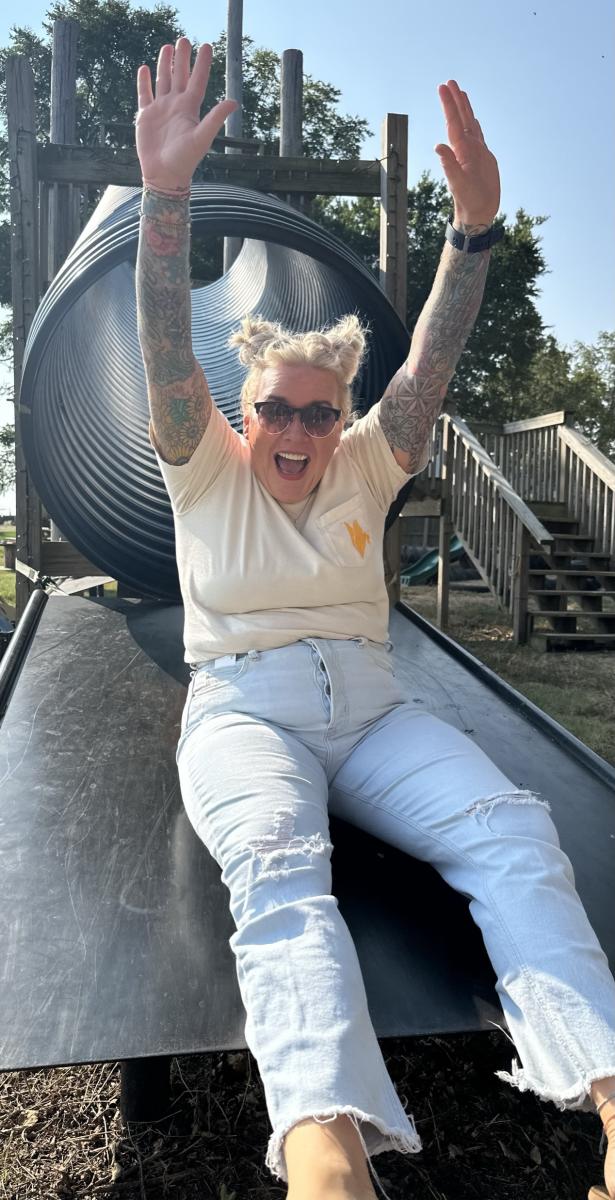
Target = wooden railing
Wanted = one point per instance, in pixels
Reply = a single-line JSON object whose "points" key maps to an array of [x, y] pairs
{"points": [[527, 453], [587, 488], [497, 528]]}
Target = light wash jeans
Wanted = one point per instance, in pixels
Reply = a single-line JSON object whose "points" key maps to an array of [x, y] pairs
{"points": [[274, 740]]}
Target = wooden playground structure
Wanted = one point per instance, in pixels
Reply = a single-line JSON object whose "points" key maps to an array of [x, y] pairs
{"points": [[115, 921], [533, 502]]}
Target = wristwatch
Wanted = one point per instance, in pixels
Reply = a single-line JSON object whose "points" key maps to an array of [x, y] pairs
{"points": [[470, 245]]}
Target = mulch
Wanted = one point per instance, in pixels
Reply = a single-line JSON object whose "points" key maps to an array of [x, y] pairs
{"points": [[61, 1134]]}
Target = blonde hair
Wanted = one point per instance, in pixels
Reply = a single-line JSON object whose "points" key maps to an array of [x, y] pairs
{"points": [[339, 348]]}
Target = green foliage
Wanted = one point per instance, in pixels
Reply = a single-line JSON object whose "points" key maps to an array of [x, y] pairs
{"points": [[509, 369], [509, 330], [114, 39], [7, 458], [593, 380]]}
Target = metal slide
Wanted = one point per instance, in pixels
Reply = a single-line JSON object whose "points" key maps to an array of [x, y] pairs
{"points": [[115, 927]]}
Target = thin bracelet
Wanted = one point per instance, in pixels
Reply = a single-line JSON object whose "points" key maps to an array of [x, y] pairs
{"points": [[605, 1101]]}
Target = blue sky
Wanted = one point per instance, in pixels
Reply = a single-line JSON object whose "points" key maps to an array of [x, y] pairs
{"points": [[540, 75]]}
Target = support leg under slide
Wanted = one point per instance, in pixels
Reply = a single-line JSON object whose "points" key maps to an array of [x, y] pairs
{"points": [[146, 1089]]}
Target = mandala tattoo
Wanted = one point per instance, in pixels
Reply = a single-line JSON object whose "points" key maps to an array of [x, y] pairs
{"points": [[414, 397]]}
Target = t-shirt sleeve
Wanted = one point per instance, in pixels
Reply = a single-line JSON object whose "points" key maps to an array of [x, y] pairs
{"points": [[188, 483], [367, 446]]}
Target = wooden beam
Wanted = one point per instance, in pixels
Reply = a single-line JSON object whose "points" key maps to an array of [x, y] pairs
{"points": [[520, 585], [63, 200], [62, 559], [234, 90], [291, 104], [563, 417], [24, 285], [445, 532], [394, 211], [326, 176]]}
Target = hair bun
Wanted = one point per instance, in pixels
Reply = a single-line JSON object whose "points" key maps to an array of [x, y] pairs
{"points": [[254, 337]]}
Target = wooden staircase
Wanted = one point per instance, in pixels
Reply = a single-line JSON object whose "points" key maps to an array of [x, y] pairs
{"points": [[571, 593]]}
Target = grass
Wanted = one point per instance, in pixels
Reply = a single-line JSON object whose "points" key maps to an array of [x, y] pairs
{"points": [[576, 689]]}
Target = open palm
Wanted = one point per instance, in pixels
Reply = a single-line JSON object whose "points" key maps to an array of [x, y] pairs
{"points": [[171, 138], [471, 169]]}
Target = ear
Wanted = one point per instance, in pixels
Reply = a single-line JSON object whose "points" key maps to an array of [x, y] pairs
{"points": [[246, 424]]}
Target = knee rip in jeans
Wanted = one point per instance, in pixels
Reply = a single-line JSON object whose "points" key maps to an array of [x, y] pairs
{"points": [[272, 849], [485, 806]]}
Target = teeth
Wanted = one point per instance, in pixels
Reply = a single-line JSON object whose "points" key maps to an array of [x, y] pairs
{"points": [[295, 457]]}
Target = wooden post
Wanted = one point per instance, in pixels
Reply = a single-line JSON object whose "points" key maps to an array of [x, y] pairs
{"points": [[394, 210], [63, 210], [394, 267], [520, 584], [24, 283], [445, 529], [234, 90], [64, 198], [291, 113]]}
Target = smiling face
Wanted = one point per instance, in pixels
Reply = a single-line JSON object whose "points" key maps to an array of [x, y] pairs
{"points": [[298, 386]]}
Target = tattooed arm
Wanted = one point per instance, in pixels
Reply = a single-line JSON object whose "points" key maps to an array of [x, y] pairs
{"points": [[414, 397], [179, 399], [171, 141]]}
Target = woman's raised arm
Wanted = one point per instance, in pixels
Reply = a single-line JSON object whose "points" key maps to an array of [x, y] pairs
{"points": [[414, 397], [171, 141]]}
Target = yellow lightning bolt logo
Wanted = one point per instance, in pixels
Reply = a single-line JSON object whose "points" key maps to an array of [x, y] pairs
{"points": [[358, 536]]}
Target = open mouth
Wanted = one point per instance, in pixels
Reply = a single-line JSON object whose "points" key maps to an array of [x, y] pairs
{"points": [[291, 466]]}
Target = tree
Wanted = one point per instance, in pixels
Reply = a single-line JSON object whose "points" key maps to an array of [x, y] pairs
{"points": [[114, 39], [509, 329], [7, 458], [593, 398]]}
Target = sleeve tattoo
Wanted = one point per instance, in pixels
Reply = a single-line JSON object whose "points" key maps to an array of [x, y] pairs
{"points": [[179, 398], [414, 397]]}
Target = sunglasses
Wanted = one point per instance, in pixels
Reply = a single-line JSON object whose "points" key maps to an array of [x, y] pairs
{"points": [[319, 420]]}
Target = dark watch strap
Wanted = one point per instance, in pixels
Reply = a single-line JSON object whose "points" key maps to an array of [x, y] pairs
{"points": [[470, 245]]}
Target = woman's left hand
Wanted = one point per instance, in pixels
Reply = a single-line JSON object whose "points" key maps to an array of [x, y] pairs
{"points": [[471, 169]]}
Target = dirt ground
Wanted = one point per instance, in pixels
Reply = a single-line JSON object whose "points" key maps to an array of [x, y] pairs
{"points": [[60, 1130], [61, 1135]]}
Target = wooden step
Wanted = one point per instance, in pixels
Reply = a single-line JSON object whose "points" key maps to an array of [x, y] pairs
{"points": [[569, 592], [571, 612], [571, 571], [574, 537], [548, 508], [578, 554], [569, 641], [566, 525]]}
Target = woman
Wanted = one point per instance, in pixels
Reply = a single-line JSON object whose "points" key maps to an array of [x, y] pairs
{"points": [[293, 707]]}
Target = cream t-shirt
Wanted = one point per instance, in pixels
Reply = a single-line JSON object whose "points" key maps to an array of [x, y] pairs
{"points": [[253, 579]]}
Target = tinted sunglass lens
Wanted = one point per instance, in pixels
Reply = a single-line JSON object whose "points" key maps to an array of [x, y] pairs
{"points": [[275, 417], [319, 421]]}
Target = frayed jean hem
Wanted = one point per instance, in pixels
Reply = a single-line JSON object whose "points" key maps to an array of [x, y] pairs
{"points": [[578, 1097], [378, 1137]]}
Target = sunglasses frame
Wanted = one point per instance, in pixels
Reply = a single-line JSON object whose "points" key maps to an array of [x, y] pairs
{"points": [[292, 409]]}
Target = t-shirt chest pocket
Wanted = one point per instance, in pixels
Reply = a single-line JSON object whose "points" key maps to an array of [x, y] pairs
{"points": [[346, 532]]}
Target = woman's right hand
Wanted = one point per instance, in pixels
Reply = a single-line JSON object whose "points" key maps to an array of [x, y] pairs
{"points": [[171, 140]]}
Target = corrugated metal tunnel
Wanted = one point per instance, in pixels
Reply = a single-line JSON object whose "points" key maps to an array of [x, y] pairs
{"points": [[84, 411]]}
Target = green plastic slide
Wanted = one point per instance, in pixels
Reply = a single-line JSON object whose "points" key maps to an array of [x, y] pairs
{"points": [[427, 566]]}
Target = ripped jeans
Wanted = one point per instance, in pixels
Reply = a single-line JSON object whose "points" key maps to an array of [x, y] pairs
{"points": [[273, 740]]}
